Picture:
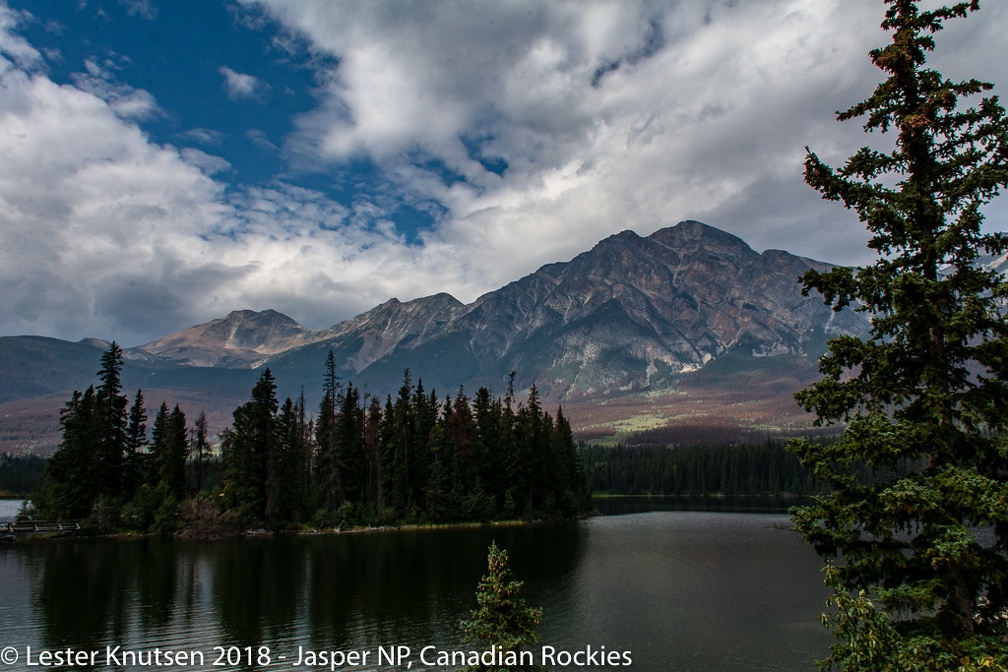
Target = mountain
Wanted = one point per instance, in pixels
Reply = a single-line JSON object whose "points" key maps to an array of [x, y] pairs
{"points": [[632, 314], [689, 322], [243, 338]]}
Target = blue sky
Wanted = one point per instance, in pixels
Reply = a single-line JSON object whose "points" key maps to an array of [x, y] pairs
{"points": [[165, 163]]}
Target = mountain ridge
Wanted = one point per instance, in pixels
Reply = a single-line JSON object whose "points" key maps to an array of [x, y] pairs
{"points": [[631, 313], [634, 315]]}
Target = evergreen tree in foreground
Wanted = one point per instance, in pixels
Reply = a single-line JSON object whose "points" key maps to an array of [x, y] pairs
{"points": [[923, 578], [502, 618]]}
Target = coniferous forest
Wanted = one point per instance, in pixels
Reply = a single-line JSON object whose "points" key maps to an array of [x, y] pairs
{"points": [[734, 470], [359, 460]]}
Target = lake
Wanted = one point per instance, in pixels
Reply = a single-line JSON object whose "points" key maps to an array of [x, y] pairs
{"points": [[673, 590], [9, 509]]}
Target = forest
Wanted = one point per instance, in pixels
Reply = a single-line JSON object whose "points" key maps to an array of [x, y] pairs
{"points": [[20, 474], [744, 469], [414, 458]]}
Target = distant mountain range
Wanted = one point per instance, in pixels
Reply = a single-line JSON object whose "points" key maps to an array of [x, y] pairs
{"points": [[688, 325]]}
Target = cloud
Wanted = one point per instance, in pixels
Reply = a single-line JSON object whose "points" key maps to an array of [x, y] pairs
{"points": [[242, 86], [126, 101], [259, 138], [542, 128], [204, 136], [527, 131], [108, 205], [120, 237], [207, 163], [142, 8], [16, 51]]}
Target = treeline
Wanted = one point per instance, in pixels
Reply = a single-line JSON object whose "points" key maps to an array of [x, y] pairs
{"points": [[756, 469], [414, 458], [20, 474], [108, 468]]}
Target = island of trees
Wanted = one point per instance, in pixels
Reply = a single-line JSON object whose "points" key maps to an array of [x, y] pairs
{"points": [[416, 458]]}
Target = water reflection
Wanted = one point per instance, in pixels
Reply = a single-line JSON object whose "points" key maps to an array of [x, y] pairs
{"points": [[621, 505], [683, 590]]}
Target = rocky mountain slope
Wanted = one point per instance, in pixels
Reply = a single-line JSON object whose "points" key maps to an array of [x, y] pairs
{"points": [[632, 318], [633, 313], [243, 338]]}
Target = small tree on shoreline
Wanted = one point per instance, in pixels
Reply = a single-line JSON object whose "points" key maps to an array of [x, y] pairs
{"points": [[502, 618]]}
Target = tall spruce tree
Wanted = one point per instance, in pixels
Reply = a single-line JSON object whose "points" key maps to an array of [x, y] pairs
{"points": [[70, 472], [329, 459], [90, 464], [285, 490], [251, 441], [199, 449], [112, 422], [925, 553], [136, 441]]}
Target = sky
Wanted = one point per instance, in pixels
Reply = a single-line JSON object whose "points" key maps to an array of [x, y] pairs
{"points": [[164, 163]]}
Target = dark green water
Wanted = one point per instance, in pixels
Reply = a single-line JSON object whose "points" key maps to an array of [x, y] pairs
{"points": [[679, 590]]}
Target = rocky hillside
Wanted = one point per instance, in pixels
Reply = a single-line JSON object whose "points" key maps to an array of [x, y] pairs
{"points": [[244, 338], [634, 313], [689, 312]]}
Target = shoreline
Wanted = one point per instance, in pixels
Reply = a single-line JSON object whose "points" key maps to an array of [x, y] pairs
{"points": [[188, 535]]}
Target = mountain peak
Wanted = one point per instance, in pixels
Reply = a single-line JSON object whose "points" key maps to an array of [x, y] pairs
{"points": [[681, 296], [691, 235], [243, 338], [263, 317]]}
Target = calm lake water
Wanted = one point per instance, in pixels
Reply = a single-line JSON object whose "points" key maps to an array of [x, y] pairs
{"points": [[679, 590], [9, 509]]}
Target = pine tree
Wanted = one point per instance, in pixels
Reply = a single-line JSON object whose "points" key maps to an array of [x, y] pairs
{"points": [[252, 438], [927, 389], [169, 449], [112, 422], [200, 450], [487, 414], [502, 618], [71, 470], [329, 461], [284, 491], [136, 442], [350, 440]]}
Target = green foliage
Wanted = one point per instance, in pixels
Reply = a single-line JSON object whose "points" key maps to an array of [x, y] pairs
{"points": [[760, 469], [70, 491], [200, 453], [20, 474], [501, 619], [424, 460], [418, 459], [870, 639], [251, 443], [925, 552], [169, 450], [152, 509], [102, 470]]}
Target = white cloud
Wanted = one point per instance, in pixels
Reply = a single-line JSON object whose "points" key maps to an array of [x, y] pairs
{"points": [[204, 136], [697, 110], [13, 47], [124, 100], [142, 8], [208, 163], [606, 117], [119, 237], [261, 140], [239, 85]]}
